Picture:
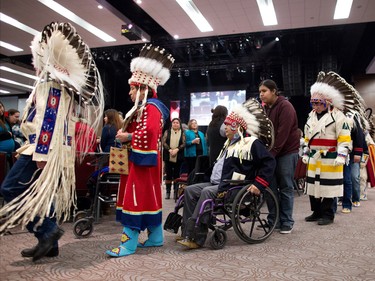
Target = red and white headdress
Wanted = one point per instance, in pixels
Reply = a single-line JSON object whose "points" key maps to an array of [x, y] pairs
{"points": [[251, 117], [152, 67]]}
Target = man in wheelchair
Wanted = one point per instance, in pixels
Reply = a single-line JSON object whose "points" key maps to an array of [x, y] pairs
{"points": [[242, 158]]}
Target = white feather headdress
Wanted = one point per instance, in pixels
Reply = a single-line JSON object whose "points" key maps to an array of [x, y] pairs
{"points": [[152, 67], [340, 94]]}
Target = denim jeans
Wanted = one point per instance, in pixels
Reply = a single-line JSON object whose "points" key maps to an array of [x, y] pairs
{"points": [[356, 182], [347, 198], [283, 187], [13, 185]]}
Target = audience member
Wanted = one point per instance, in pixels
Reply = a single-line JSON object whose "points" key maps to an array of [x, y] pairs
{"points": [[6, 136], [195, 145], [285, 150], [14, 118], [173, 141], [327, 144], [112, 124], [216, 133], [351, 196]]}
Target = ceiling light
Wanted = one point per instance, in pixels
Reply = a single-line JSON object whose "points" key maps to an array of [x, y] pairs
{"points": [[277, 39], [4, 92], [10, 47], [16, 83], [267, 12], [176, 36], [16, 23], [100, 7], [81, 22], [196, 16], [342, 9], [18, 72]]}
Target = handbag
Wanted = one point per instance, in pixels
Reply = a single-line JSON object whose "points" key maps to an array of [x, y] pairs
{"points": [[118, 156], [173, 222], [118, 160]]}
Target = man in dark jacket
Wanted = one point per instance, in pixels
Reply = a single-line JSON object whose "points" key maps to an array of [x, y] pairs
{"points": [[241, 158]]}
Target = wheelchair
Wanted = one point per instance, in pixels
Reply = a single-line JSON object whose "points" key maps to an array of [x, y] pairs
{"points": [[248, 214], [84, 220]]}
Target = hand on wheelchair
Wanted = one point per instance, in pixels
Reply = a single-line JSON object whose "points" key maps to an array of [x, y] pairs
{"points": [[254, 190]]}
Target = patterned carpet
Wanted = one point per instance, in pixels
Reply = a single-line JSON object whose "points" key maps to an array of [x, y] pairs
{"points": [[344, 250]]}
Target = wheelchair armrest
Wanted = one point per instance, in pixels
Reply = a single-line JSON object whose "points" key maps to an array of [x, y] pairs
{"points": [[237, 182]]}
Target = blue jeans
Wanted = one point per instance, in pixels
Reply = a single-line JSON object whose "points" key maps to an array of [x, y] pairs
{"points": [[356, 182], [283, 187], [21, 172], [347, 198]]}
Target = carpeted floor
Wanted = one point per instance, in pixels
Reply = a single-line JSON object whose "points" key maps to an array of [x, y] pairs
{"points": [[344, 250]]}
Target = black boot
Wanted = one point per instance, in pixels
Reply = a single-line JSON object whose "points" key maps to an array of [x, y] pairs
{"points": [[29, 253], [45, 245], [168, 195]]}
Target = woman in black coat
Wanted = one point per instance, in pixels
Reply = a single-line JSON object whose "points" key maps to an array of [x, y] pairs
{"points": [[174, 141]]}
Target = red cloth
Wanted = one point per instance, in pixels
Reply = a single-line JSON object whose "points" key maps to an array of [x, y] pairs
{"points": [[84, 134], [371, 166]]}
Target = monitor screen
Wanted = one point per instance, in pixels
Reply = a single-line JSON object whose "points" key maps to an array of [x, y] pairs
{"points": [[201, 103]]}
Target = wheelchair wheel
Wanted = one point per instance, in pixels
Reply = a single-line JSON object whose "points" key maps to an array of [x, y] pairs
{"points": [[80, 215], [251, 214], [83, 228], [218, 239]]}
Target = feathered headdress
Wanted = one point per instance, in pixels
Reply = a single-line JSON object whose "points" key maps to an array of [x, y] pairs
{"points": [[334, 89], [59, 53], [151, 68], [252, 118]]}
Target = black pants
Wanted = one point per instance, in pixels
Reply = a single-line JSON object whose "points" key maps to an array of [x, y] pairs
{"points": [[322, 207]]}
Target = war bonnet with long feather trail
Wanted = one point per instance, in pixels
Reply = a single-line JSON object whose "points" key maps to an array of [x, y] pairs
{"points": [[334, 89], [65, 66]]}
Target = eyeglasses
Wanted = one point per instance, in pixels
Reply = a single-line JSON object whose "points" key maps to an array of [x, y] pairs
{"points": [[316, 103]]}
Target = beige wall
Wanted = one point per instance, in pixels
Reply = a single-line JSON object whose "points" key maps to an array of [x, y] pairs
{"points": [[365, 85]]}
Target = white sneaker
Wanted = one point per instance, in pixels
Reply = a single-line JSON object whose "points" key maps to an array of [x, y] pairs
{"points": [[356, 204]]}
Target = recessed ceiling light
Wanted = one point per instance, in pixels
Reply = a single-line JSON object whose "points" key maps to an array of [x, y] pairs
{"points": [[195, 15], [176, 36], [10, 47], [342, 10], [267, 12], [100, 7], [16, 83], [81, 22], [139, 2], [16, 23]]}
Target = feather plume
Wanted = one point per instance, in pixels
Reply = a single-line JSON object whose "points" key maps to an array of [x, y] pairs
{"points": [[258, 124]]}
